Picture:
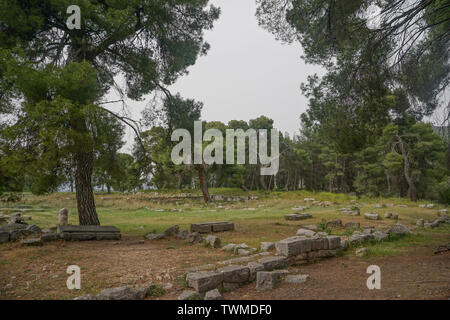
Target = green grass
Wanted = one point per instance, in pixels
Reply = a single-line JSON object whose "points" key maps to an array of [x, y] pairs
{"points": [[138, 215]]}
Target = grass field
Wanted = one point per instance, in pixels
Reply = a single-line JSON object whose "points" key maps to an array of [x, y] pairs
{"points": [[256, 220]]}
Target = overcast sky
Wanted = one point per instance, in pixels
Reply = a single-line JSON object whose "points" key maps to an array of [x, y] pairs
{"points": [[246, 73]]}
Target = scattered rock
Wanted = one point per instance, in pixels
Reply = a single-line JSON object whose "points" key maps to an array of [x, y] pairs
{"points": [[298, 216], [155, 236], [362, 252], [305, 233], [334, 224], [32, 242], [229, 247], [298, 278], [4, 236], [399, 229], [183, 234], [189, 295], [122, 293], [213, 241], [213, 295], [352, 225], [243, 252], [380, 235], [266, 280], [195, 237], [420, 222], [172, 231], [86, 297], [267, 246], [204, 281], [372, 216]]}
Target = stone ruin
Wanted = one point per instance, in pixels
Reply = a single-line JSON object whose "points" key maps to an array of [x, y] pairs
{"points": [[266, 270]]}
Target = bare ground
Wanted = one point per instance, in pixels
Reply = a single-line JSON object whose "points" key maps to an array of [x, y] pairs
{"points": [[40, 273]]}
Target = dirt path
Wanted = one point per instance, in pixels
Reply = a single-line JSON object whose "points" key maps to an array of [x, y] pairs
{"points": [[40, 272], [418, 275]]}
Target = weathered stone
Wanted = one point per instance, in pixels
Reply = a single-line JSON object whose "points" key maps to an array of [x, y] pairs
{"points": [[326, 253], [183, 234], [372, 216], [420, 222], [388, 215], [155, 236], [266, 280], [430, 206], [213, 241], [334, 224], [86, 297], [297, 278], [229, 247], [299, 209], [362, 252], [80, 233], [352, 225], [120, 293], [32, 242], [254, 267], [271, 263], [63, 217], [189, 295], [334, 242], [359, 237], [172, 231], [201, 227], [305, 233], [33, 229], [204, 281], [399, 229], [319, 244], [213, 295], [4, 236], [194, 237], [293, 246], [267, 246], [298, 216], [380, 235], [229, 286], [235, 274], [47, 237], [243, 252]]}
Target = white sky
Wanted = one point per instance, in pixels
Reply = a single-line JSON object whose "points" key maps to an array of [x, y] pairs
{"points": [[246, 73]]}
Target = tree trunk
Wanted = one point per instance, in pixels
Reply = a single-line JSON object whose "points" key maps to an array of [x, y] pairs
{"points": [[87, 213], [203, 183], [412, 191]]}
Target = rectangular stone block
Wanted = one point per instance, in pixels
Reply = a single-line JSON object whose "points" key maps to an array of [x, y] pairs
{"points": [[209, 227], [235, 274], [204, 281], [223, 226], [4, 236], [254, 267], [201, 227], [293, 246], [266, 280], [319, 244], [334, 242], [271, 263], [83, 233], [296, 217]]}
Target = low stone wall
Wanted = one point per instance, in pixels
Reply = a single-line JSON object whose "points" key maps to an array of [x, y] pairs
{"points": [[291, 251], [80, 233], [209, 227]]}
